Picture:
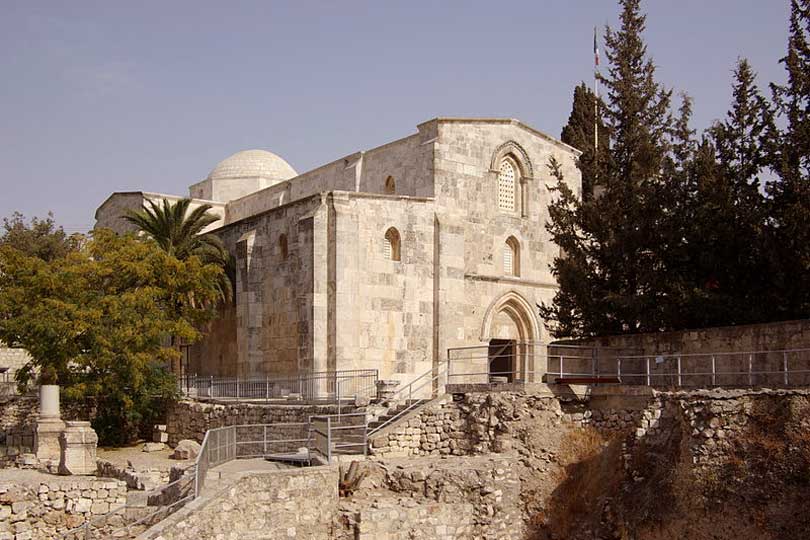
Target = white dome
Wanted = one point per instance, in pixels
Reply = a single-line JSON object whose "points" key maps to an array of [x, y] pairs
{"points": [[253, 164]]}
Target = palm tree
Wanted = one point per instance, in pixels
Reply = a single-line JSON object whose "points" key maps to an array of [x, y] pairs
{"points": [[181, 235]]}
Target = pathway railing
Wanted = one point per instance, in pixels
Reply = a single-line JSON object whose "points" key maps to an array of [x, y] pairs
{"points": [[527, 362], [311, 387]]}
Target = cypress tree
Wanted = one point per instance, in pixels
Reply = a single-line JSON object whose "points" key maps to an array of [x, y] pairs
{"points": [[579, 133], [609, 277], [790, 159]]}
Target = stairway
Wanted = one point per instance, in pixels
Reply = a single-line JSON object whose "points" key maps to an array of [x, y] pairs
{"points": [[395, 412]]}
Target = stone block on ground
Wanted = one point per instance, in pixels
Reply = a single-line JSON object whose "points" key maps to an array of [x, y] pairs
{"points": [[186, 449], [153, 447], [78, 449]]}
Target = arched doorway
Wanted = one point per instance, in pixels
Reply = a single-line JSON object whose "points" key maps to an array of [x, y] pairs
{"points": [[511, 330]]}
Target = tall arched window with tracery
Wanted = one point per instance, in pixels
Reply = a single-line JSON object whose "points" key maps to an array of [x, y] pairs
{"points": [[507, 185], [511, 257], [391, 245]]}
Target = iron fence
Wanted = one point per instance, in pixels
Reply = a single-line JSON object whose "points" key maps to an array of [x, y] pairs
{"points": [[246, 441], [327, 387], [537, 362]]}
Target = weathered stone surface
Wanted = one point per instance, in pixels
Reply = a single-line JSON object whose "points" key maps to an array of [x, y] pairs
{"points": [[78, 449], [186, 449], [153, 446]]}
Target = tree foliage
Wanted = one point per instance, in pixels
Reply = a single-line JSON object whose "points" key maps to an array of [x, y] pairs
{"points": [[179, 232], [41, 238], [683, 231], [97, 321]]}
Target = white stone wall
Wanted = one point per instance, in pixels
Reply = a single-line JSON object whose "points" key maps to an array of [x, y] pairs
{"points": [[382, 310], [336, 303]]}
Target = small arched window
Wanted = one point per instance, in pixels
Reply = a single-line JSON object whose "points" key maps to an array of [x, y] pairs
{"points": [[282, 247], [390, 186], [391, 245], [506, 186], [511, 257]]}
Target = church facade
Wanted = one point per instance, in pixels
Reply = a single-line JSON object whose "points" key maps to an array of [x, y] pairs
{"points": [[383, 259]]}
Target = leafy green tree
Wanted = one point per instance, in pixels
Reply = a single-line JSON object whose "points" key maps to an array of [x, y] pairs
{"points": [[579, 132], [790, 193], [97, 322], [41, 238]]}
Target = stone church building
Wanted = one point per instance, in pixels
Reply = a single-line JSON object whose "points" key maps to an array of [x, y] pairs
{"points": [[382, 259]]}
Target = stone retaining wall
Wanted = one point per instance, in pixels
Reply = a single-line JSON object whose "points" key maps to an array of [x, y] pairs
{"points": [[298, 503], [40, 510], [447, 499], [470, 426], [190, 419]]}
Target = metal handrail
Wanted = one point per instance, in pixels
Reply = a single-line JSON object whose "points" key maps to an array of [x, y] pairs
{"points": [[313, 386], [442, 370]]}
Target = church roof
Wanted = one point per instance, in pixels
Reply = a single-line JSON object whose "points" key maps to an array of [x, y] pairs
{"points": [[253, 164]]}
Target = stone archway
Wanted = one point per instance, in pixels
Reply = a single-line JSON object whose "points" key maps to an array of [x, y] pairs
{"points": [[511, 331]]}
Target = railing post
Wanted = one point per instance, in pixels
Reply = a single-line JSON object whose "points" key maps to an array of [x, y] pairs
{"points": [[337, 393], [237, 388], [618, 368], [648, 371], [594, 366], [264, 440], [785, 367], [714, 371], [328, 440], [561, 365], [211, 387], [87, 532], [267, 388], [750, 370], [680, 379]]}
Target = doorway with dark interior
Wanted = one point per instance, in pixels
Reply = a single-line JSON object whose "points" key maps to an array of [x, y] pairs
{"points": [[501, 360]]}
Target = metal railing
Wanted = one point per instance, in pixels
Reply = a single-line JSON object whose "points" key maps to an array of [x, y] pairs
{"points": [[246, 441], [432, 377], [327, 387], [346, 434], [528, 362]]}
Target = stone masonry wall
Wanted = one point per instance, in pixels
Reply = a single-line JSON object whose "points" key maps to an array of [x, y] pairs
{"points": [[292, 504], [751, 337], [18, 415], [445, 499], [191, 419], [473, 425], [37, 510], [13, 359]]}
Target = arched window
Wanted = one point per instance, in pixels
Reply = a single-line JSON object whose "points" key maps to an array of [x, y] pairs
{"points": [[506, 186], [511, 257], [391, 245], [282, 246], [390, 186]]}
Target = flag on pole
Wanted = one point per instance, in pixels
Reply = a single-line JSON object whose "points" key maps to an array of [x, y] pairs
{"points": [[595, 49]]}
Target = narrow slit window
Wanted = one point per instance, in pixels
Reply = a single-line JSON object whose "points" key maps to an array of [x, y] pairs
{"points": [[391, 245], [511, 257], [390, 186]]}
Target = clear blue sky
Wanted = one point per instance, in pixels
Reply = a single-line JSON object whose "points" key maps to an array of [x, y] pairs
{"points": [[107, 96]]}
